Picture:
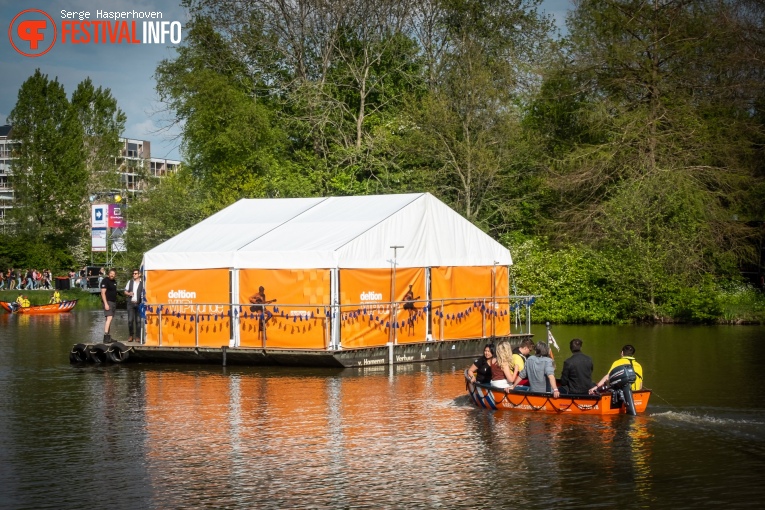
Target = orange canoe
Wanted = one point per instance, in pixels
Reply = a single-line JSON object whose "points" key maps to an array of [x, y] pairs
{"points": [[487, 397], [64, 306]]}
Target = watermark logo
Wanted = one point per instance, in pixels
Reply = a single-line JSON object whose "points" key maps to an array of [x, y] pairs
{"points": [[32, 33]]}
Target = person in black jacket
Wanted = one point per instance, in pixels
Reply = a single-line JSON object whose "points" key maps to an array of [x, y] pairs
{"points": [[576, 378], [133, 295]]}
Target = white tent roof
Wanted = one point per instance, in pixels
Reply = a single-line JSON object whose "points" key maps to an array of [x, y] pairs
{"points": [[342, 232]]}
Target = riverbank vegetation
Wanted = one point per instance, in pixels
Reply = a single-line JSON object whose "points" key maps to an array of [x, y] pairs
{"points": [[622, 164]]}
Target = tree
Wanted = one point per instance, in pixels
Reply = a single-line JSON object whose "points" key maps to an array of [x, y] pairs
{"points": [[483, 63], [102, 122], [49, 173], [173, 204], [662, 160]]}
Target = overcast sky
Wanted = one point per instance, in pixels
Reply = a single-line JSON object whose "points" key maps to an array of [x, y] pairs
{"points": [[126, 69]]}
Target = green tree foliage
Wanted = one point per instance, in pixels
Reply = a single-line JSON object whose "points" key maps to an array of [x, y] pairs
{"points": [[633, 144], [652, 143], [102, 122], [170, 206], [470, 125], [66, 150], [49, 174]]}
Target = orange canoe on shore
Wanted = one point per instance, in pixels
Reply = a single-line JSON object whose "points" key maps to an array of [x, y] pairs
{"points": [[487, 397], [64, 306]]}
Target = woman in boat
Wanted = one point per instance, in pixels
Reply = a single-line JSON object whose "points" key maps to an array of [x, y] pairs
{"points": [[540, 371], [481, 369], [502, 377]]}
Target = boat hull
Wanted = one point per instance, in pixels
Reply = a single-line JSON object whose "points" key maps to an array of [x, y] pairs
{"points": [[63, 307], [496, 399]]}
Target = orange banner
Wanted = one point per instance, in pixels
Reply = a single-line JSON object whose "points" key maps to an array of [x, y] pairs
{"points": [[191, 307], [366, 312], [294, 314], [464, 304]]}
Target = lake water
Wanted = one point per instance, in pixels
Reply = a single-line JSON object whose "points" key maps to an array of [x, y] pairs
{"points": [[180, 436]]}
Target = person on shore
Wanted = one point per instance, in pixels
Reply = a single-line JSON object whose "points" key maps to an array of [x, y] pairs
{"points": [[480, 370], [19, 275], [30, 280], [627, 358], [84, 278], [133, 292], [576, 377], [109, 299], [2, 280], [502, 370], [540, 371]]}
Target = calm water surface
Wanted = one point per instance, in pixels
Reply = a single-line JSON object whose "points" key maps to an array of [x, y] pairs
{"points": [[167, 436]]}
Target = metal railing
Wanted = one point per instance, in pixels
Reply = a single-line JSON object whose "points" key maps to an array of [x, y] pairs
{"points": [[437, 313]]}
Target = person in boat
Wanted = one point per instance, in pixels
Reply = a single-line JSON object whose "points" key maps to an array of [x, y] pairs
{"points": [[627, 358], [502, 370], [520, 355], [109, 298], [540, 371], [481, 371], [23, 301], [576, 377], [55, 298]]}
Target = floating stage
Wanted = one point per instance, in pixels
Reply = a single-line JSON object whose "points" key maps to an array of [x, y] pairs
{"points": [[128, 352]]}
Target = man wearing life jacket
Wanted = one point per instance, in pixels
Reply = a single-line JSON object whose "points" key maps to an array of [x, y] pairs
{"points": [[56, 297], [628, 358], [22, 301]]}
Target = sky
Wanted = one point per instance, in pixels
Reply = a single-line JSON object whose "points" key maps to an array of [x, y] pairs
{"points": [[126, 69]]}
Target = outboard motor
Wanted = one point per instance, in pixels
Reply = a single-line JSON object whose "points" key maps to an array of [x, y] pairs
{"points": [[620, 380]]}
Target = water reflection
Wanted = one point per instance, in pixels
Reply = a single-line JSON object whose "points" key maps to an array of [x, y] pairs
{"points": [[154, 436]]}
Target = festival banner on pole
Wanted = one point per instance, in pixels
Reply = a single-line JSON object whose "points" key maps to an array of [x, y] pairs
{"points": [[98, 239], [116, 219], [99, 216]]}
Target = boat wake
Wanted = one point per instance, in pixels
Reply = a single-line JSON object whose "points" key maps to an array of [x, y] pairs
{"points": [[733, 423], [687, 417]]}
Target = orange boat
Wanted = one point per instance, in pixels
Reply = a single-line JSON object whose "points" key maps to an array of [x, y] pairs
{"points": [[64, 306], [609, 402]]}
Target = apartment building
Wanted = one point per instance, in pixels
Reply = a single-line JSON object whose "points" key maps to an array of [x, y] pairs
{"points": [[134, 162], [6, 192]]}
